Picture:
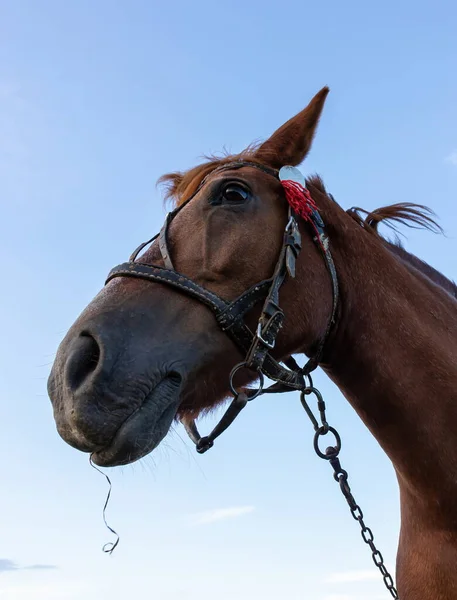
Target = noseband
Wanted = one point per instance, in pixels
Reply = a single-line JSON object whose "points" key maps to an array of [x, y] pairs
{"points": [[256, 346]]}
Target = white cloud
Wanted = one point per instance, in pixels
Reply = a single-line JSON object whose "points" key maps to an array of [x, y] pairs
{"points": [[221, 514], [452, 158], [7, 564], [339, 597], [353, 576]]}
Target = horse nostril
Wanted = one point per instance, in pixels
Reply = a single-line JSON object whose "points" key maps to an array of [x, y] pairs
{"points": [[83, 360]]}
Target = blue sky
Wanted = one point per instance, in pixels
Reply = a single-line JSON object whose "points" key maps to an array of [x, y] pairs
{"points": [[97, 100]]}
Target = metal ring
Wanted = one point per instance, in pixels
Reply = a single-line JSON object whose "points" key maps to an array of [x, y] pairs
{"points": [[308, 390], [235, 370], [321, 432], [310, 380]]}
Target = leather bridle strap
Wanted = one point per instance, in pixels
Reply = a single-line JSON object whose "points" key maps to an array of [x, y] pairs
{"points": [[228, 315]]}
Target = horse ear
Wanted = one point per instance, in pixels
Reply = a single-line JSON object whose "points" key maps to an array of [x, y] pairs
{"points": [[291, 142]]}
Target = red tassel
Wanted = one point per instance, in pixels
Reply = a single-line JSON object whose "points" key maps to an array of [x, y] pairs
{"points": [[299, 199]]}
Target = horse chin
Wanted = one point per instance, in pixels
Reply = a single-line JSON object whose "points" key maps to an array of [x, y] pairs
{"points": [[143, 430]]}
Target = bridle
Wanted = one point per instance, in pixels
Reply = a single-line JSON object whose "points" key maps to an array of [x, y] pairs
{"points": [[256, 346], [230, 315]]}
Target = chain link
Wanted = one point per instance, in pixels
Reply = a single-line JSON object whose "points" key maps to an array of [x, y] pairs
{"points": [[341, 477]]}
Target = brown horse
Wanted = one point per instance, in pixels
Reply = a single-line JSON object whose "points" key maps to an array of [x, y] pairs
{"points": [[141, 353]]}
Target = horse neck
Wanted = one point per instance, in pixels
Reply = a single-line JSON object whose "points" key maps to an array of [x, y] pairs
{"points": [[424, 268], [393, 356]]}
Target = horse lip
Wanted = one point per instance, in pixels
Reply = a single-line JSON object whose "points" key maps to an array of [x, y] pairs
{"points": [[149, 423]]}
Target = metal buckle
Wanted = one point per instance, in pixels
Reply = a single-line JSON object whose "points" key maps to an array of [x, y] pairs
{"points": [[291, 224], [260, 337]]}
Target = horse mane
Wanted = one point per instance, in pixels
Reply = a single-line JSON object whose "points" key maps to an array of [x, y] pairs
{"points": [[181, 185], [412, 215]]}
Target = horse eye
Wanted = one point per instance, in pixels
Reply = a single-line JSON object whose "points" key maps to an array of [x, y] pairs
{"points": [[235, 194]]}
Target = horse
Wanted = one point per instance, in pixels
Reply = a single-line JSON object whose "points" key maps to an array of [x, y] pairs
{"points": [[381, 323]]}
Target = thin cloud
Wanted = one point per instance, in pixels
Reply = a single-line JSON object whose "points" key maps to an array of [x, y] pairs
{"points": [[9, 565], [221, 514], [353, 576], [452, 158]]}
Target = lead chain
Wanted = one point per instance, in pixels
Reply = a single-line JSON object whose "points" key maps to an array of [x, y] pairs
{"points": [[341, 477]]}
